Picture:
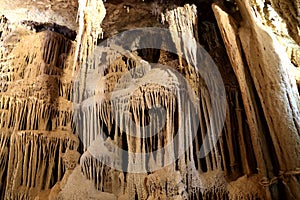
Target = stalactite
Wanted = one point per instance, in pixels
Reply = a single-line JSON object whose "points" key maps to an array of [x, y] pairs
{"points": [[35, 107], [95, 169], [102, 115], [120, 112], [90, 15], [184, 20], [29, 151], [4, 157]]}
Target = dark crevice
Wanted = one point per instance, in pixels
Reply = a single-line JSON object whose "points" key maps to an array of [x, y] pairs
{"points": [[39, 27]]}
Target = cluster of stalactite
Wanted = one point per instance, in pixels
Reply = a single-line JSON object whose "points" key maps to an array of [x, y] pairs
{"points": [[35, 161], [151, 131], [107, 97], [231, 155], [36, 110]]}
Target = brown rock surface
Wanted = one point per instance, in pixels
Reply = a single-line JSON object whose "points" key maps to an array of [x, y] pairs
{"points": [[79, 116]]}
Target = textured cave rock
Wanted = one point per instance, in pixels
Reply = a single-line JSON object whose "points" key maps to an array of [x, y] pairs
{"points": [[62, 12], [36, 110], [61, 132]]}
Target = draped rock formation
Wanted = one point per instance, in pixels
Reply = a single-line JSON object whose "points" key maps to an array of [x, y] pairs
{"points": [[149, 99]]}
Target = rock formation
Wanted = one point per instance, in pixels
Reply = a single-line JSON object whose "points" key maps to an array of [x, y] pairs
{"points": [[149, 99]]}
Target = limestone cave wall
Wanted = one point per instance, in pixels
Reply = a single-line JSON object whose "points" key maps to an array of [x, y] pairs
{"points": [[149, 99]]}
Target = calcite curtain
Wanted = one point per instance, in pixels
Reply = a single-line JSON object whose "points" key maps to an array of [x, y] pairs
{"points": [[149, 99]]}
